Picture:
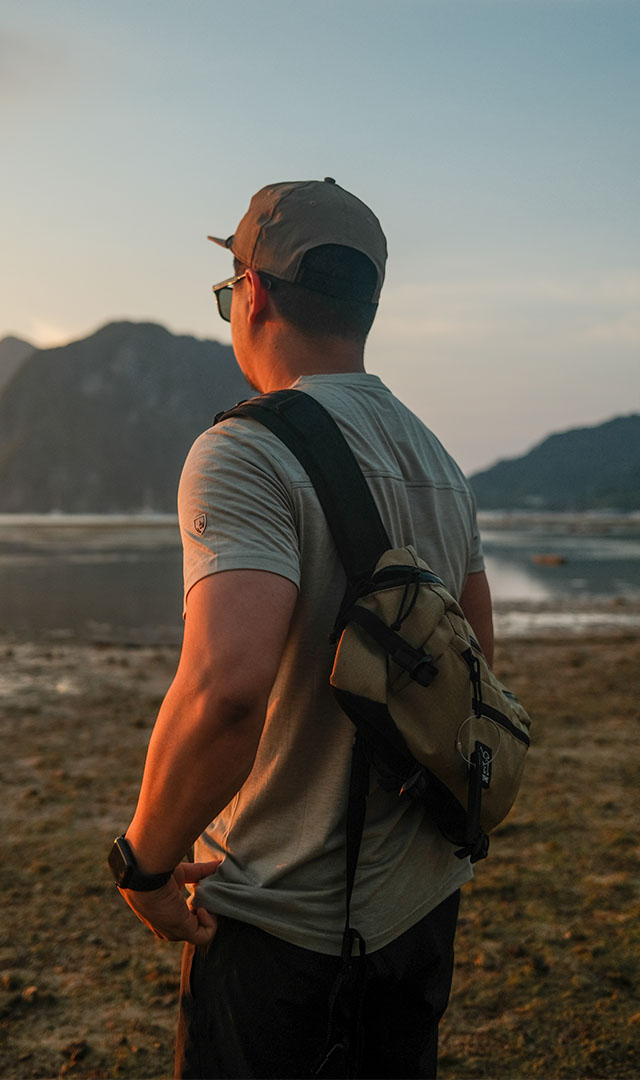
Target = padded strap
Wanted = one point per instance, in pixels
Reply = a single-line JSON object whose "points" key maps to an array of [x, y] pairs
{"points": [[311, 433]]}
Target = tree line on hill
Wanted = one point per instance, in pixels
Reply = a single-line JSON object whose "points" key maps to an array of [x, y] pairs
{"points": [[590, 468]]}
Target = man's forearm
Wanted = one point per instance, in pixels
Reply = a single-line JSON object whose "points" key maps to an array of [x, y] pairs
{"points": [[475, 602], [201, 751]]}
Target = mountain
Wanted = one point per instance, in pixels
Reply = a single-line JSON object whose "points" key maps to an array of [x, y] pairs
{"points": [[104, 424], [13, 352], [592, 468]]}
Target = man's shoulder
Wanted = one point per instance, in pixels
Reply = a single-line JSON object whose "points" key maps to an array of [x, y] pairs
{"points": [[361, 400], [239, 449], [380, 426]]}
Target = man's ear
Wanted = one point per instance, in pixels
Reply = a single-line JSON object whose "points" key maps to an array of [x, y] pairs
{"points": [[258, 296]]}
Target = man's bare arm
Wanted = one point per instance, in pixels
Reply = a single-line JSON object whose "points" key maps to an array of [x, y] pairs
{"points": [[206, 736], [475, 602]]}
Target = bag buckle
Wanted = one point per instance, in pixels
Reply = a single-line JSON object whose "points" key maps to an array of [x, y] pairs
{"points": [[420, 666]]}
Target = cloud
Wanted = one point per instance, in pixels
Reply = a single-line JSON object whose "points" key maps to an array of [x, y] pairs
{"points": [[619, 330], [571, 310]]}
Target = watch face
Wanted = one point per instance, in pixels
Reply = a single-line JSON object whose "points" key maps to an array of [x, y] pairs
{"points": [[125, 869], [120, 866]]}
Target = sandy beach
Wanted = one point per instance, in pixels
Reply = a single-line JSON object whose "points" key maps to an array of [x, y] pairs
{"points": [[548, 965]]}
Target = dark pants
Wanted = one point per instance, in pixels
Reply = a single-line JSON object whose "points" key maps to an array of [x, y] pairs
{"points": [[254, 1006]]}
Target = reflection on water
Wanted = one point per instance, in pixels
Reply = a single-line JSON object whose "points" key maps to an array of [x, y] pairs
{"points": [[564, 574], [581, 564], [510, 581], [120, 578]]}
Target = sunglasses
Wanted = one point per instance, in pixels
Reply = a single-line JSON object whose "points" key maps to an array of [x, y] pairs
{"points": [[224, 295]]}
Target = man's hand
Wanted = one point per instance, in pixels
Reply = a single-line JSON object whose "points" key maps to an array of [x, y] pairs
{"points": [[166, 911]]}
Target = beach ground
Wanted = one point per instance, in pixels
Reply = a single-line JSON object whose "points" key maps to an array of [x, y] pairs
{"points": [[547, 977]]}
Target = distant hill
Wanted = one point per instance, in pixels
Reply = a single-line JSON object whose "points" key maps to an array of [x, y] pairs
{"points": [[104, 424], [594, 468], [13, 353]]}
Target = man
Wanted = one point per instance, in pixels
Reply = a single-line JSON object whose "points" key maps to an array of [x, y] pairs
{"points": [[250, 752]]}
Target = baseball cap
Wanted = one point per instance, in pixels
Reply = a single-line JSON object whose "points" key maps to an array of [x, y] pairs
{"points": [[286, 220]]}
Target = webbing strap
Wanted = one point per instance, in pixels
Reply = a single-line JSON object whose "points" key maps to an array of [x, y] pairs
{"points": [[417, 662], [311, 433], [347, 992], [356, 811]]}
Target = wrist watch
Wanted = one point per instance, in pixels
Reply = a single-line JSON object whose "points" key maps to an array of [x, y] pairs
{"points": [[125, 869]]}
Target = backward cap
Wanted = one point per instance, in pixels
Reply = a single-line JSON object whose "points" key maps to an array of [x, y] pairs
{"points": [[286, 220]]}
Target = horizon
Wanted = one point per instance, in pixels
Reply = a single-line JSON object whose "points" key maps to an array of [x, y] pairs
{"points": [[494, 141]]}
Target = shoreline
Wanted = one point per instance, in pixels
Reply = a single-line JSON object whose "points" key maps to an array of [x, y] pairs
{"points": [[586, 521], [578, 617], [566, 616], [490, 518]]}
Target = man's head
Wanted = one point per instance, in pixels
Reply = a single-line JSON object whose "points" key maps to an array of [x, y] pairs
{"points": [[319, 251]]}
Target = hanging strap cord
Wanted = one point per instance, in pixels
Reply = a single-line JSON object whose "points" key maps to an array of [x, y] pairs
{"points": [[346, 997]]}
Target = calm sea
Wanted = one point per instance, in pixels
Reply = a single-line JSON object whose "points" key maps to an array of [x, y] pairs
{"points": [[119, 578]]}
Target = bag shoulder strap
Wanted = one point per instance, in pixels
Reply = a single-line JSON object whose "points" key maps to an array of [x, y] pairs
{"points": [[311, 433]]}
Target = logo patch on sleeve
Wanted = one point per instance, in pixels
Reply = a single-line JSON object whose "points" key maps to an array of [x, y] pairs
{"points": [[200, 523]]}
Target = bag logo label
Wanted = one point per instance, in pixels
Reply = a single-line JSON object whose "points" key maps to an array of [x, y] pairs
{"points": [[200, 523], [484, 757]]}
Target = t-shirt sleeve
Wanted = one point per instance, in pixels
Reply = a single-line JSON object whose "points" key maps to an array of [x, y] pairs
{"points": [[235, 506]]}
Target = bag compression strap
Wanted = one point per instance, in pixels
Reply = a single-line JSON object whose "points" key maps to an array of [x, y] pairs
{"points": [[313, 436]]}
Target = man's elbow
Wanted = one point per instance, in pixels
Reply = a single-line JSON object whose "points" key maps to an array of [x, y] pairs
{"points": [[229, 705]]}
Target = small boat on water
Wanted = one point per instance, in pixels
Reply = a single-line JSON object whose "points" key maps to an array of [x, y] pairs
{"points": [[548, 559]]}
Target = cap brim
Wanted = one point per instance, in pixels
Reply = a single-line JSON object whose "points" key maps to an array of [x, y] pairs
{"points": [[222, 243]]}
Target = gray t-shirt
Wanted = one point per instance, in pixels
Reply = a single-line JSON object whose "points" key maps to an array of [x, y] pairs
{"points": [[282, 837]]}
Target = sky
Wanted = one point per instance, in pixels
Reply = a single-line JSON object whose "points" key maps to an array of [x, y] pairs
{"points": [[496, 140]]}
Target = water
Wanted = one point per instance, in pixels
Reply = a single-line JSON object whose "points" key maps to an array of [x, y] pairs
{"points": [[568, 573], [588, 557], [120, 578], [91, 578]]}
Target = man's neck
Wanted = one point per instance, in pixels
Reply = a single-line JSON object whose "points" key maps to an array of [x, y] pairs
{"points": [[291, 358]]}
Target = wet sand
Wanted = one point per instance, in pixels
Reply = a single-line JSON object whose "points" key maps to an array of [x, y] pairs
{"points": [[548, 965]]}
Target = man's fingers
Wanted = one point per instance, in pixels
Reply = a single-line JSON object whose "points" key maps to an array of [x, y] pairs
{"points": [[202, 935], [166, 912], [196, 871], [206, 928], [199, 928], [205, 918]]}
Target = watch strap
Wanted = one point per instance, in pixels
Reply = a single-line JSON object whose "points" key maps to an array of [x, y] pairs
{"points": [[126, 872]]}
